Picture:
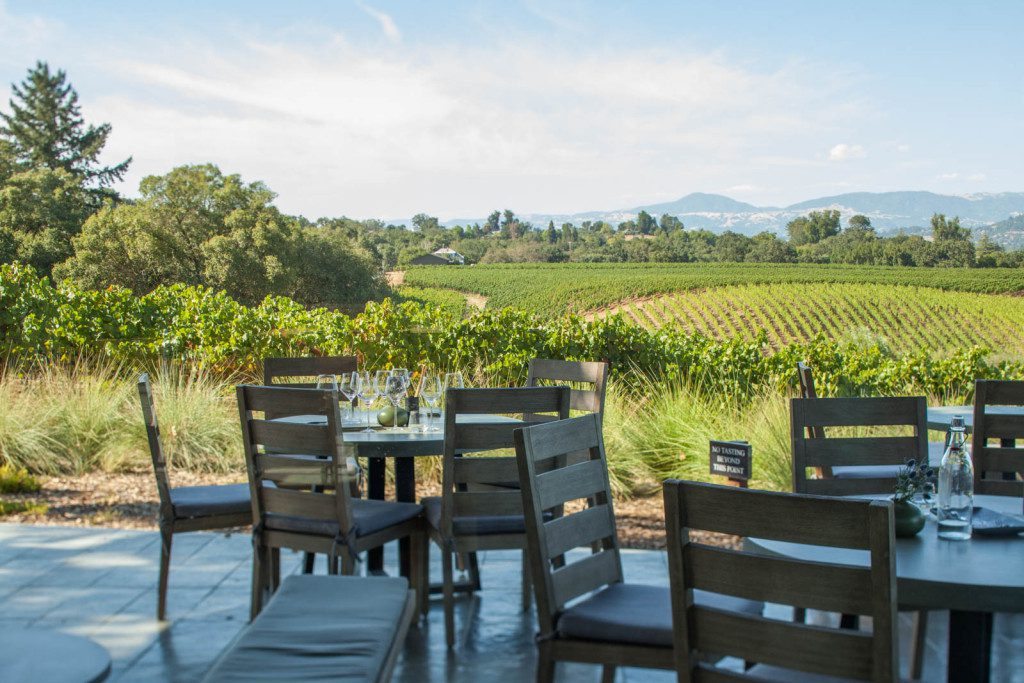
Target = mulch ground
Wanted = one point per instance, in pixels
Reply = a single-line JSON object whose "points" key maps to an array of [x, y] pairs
{"points": [[129, 501]]}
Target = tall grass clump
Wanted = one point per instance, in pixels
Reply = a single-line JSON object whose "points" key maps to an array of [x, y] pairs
{"points": [[76, 417], [663, 431]]}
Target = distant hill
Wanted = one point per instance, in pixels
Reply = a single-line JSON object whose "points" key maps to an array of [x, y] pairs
{"points": [[994, 214]]}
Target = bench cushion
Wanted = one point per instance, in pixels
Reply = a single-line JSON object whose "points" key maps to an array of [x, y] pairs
{"points": [[318, 628], [634, 613], [205, 501]]}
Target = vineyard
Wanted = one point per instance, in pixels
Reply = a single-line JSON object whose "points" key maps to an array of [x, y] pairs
{"points": [[554, 289], [900, 317]]}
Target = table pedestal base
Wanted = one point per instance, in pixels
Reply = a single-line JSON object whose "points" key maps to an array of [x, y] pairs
{"points": [[970, 646]]}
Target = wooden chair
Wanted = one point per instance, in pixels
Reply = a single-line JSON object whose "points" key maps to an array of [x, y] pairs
{"points": [[858, 465], [477, 510], [869, 464], [998, 470], [299, 484], [186, 508], [542, 371], [782, 650], [586, 611], [275, 369]]}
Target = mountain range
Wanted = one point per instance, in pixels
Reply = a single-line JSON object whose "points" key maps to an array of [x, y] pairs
{"points": [[999, 215]]}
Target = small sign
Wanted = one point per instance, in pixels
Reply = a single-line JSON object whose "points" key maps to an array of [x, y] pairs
{"points": [[731, 459]]}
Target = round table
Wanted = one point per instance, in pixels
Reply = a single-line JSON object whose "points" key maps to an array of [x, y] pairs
{"points": [[43, 655], [971, 578], [403, 446]]}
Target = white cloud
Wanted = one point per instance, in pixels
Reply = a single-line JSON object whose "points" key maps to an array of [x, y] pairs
{"points": [[387, 24], [948, 176], [844, 151], [977, 177], [904, 148]]}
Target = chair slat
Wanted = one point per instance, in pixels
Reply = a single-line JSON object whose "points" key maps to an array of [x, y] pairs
{"points": [[583, 576], [812, 585], [584, 400], [485, 436], [778, 516], [285, 400], [557, 438], [309, 366], [1004, 392], [289, 437], [486, 401], [781, 643], [299, 504], [853, 412], [485, 470], [579, 529], [1002, 459], [581, 480], [880, 450], [486, 503], [583, 372], [295, 470], [1004, 426], [1000, 487]]}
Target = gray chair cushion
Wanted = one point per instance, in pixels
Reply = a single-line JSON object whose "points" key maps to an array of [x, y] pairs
{"points": [[369, 517], [764, 672], [318, 628], [204, 501], [476, 526], [634, 613]]}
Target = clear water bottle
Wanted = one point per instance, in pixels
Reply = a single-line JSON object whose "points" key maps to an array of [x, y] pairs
{"points": [[956, 486]]}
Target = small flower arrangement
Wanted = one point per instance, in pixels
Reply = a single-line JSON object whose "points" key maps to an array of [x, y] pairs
{"points": [[913, 480]]}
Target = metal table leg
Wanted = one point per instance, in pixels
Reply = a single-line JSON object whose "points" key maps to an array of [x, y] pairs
{"points": [[970, 646]]}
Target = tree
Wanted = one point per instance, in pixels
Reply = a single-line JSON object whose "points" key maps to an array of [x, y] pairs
{"points": [[45, 129], [645, 223], [550, 233], [423, 222], [859, 221], [814, 227], [766, 247], [670, 223], [197, 226], [493, 223], [949, 230]]}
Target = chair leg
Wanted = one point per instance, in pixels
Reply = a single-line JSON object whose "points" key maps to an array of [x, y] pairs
{"points": [[165, 567], [918, 644], [420, 550], [449, 597], [474, 570], [527, 583], [545, 664], [275, 568], [260, 578], [799, 615], [308, 560], [608, 673], [348, 563]]}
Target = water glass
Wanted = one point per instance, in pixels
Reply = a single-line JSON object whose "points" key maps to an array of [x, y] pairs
{"points": [[367, 392], [349, 388], [429, 392]]}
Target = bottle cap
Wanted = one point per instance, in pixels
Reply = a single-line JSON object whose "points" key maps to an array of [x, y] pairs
{"points": [[958, 422]]}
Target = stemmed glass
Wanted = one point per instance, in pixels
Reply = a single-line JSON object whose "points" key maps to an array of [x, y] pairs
{"points": [[452, 380], [367, 392], [349, 387], [327, 382], [394, 389], [430, 391]]}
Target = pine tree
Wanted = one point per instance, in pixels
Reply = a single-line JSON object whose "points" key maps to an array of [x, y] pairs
{"points": [[45, 129]]}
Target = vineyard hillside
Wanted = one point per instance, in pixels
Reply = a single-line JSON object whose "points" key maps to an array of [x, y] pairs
{"points": [[903, 318], [554, 289]]}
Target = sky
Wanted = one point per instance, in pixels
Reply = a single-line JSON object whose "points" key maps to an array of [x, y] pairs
{"points": [[376, 109]]}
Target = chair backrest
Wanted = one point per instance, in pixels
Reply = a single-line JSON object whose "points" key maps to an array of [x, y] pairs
{"points": [[285, 460], [277, 369], [998, 469], [590, 373], [547, 483], [156, 450], [828, 452], [478, 486], [833, 587]]}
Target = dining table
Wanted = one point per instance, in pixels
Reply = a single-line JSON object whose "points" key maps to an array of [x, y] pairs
{"points": [[939, 418], [401, 446], [973, 579]]}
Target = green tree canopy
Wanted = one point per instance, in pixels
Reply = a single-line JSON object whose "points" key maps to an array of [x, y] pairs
{"points": [[814, 227], [859, 221], [944, 230], [197, 226], [45, 129], [645, 223]]}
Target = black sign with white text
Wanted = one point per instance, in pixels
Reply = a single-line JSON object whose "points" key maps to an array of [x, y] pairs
{"points": [[731, 459]]}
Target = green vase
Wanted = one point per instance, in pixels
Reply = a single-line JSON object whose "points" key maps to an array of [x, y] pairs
{"points": [[908, 518], [386, 417]]}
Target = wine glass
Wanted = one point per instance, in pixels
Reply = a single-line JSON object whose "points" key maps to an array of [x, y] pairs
{"points": [[394, 389], [327, 382], [349, 387], [367, 392], [430, 391], [453, 380]]}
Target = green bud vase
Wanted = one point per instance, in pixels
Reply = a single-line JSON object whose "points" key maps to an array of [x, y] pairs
{"points": [[908, 519]]}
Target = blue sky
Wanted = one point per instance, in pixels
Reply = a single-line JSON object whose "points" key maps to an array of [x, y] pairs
{"points": [[385, 109]]}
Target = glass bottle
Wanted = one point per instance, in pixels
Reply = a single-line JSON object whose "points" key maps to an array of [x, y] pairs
{"points": [[956, 486]]}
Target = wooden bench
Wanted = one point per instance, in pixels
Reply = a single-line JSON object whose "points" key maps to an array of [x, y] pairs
{"points": [[318, 628]]}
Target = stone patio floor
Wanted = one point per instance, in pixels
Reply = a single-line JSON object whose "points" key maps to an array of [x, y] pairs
{"points": [[101, 583]]}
